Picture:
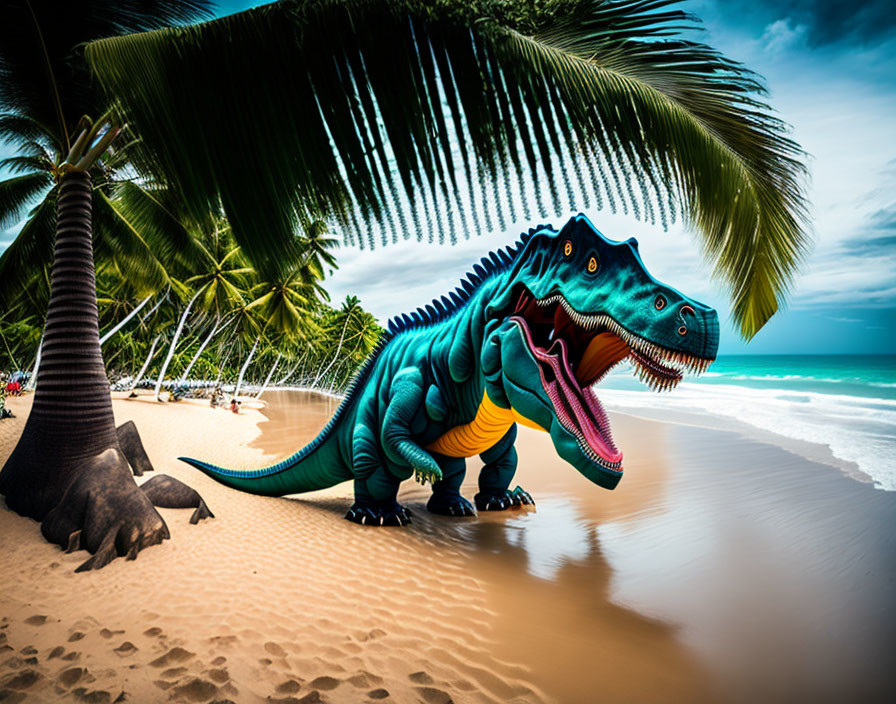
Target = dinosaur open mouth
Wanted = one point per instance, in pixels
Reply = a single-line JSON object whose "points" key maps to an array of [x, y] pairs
{"points": [[575, 351]]}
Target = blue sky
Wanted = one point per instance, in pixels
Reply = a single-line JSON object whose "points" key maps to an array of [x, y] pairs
{"points": [[831, 71]]}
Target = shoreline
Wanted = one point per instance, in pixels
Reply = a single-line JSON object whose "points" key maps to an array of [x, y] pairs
{"points": [[721, 569]]}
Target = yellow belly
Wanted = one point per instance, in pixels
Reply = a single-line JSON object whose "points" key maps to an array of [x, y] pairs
{"points": [[489, 426]]}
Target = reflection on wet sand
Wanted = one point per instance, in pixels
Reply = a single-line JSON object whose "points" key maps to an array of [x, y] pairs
{"points": [[546, 578], [720, 569]]}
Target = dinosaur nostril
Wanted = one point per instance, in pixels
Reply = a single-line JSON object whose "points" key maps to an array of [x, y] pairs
{"points": [[682, 330], [687, 309], [659, 303]]}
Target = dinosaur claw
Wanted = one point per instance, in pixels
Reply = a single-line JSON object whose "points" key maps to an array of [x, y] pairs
{"points": [[371, 514], [456, 506], [501, 502]]}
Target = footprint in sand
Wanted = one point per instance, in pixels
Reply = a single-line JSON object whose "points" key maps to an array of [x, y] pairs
{"points": [[29, 650], [218, 661], [106, 633], [219, 675], [364, 680], [22, 680], [275, 649], [172, 657], [96, 696], [420, 678], [77, 635], [325, 683], [195, 690], [36, 620], [74, 655], [378, 693], [153, 632], [56, 652], [70, 676], [125, 649], [173, 673], [431, 695], [288, 687]]}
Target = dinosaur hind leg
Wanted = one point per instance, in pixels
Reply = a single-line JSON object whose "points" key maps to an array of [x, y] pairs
{"points": [[495, 477], [446, 498], [167, 492], [376, 502]]}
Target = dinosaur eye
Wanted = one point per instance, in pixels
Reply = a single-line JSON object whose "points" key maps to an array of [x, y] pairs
{"points": [[659, 303], [682, 330], [567, 248], [592, 265]]}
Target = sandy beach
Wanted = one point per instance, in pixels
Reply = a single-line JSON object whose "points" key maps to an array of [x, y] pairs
{"points": [[721, 569]]}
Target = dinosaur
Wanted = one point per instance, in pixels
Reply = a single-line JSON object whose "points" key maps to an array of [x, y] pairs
{"points": [[524, 339]]}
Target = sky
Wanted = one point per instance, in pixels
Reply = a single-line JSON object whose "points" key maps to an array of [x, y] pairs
{"points": [[830, 68]]}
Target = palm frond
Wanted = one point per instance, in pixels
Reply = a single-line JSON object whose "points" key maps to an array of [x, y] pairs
{"points": [[132, 248], [155, 214], [40, 42], [24, 264], [18, 192], [471, 113]]}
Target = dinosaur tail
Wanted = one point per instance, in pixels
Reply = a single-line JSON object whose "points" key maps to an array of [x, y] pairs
{"points": [[312, 467]]}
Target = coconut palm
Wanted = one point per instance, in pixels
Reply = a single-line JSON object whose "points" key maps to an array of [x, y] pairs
{"points": [[67, 469]]}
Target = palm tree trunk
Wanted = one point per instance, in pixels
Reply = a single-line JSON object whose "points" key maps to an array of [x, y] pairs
{"points": [[335, 354], [224, 360], [180, 327], [268, 377], [239, 381], [216, 328], [68, 469], [289, 374], [32, 382], [152, 351], [124, 321]]}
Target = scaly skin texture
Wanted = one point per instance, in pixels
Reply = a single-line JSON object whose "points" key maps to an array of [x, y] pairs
{"points": [[525, 339]]}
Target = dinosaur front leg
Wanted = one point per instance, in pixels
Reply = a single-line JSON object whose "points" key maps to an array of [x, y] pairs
{"points": [[406, 398], [495, 477], [446, 498]]}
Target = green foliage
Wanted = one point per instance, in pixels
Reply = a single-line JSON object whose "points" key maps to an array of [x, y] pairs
{"points": [[435, 118]]}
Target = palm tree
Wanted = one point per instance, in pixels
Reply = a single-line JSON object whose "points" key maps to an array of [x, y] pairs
{"points": [[351, 309], [449, 123], [67, 469]]}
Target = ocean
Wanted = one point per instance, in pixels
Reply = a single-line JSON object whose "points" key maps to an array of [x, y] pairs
{"points": [[846, 403]]}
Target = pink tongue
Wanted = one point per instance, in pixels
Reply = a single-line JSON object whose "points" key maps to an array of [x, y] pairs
{"points": [[592, 435]]}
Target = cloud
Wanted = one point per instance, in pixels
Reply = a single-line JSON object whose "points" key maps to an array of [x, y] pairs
{"points": [[816, 23], [833, 21], [780, 36]]}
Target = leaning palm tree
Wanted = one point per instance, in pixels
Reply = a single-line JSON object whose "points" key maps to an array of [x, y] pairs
{"points": [[471, 114], [67, 469]]}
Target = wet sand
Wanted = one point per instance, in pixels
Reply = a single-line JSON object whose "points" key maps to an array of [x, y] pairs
{"points": [[721, 569]]}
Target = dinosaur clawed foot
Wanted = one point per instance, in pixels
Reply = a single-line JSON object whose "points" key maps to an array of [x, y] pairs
{"points": [[455, 505], [501, 502], [372, 514]]}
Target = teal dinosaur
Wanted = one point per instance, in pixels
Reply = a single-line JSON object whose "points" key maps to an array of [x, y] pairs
{"points": [[524, 339]]}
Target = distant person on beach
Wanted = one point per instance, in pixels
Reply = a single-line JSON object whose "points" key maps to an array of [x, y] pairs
{"points": [[4, 411], [14, 388], [235, 405]]}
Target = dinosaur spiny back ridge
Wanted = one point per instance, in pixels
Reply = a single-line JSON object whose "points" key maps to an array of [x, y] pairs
{"points": [[440, 309]]}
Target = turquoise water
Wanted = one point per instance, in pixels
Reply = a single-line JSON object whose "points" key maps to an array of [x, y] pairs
{"points": [[845, 402]]}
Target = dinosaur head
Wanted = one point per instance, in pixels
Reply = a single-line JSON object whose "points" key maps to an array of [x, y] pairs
{"points": [[575, 305]]}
